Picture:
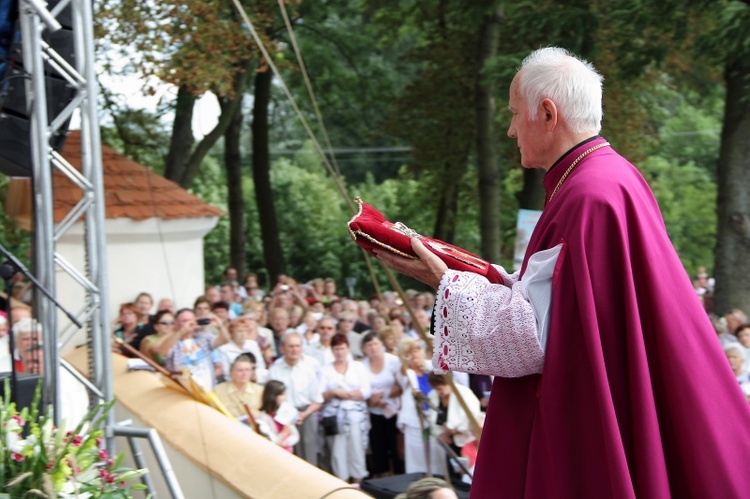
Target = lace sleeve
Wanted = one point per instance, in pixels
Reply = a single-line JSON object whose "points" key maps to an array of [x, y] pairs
{"points": [[484, 328], [510, 279]]}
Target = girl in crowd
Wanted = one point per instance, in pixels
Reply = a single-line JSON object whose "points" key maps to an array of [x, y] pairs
{"points": [[283, 433], [383, 406], [346, 387]]}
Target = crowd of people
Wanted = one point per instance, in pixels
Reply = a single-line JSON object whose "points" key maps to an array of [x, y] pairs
{"points": [[344, 384]]}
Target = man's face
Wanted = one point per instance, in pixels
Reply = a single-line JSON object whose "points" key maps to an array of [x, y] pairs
{"points": [[326, 330], [242, 372], [33, 360], [186, 320], [166, 304], [529, 134], [279, 320], [292, 348], [239, 334], [24, 341], [213, 295], [227, 294]]}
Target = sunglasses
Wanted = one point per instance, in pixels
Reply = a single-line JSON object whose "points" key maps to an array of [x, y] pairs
{"points": [[166, 323]]}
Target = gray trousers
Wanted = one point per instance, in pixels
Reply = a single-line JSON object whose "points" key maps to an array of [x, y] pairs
{"points": [[307, 447]]}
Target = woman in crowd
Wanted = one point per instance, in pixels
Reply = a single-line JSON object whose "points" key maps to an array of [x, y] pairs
{"points": [[450, 422], [389, 340], [163, 324], [240, 395], [307, 328], [283, 433], [346, 387], [736, 356], [412, 418], [143, 304], [383, 405], [128, 329], [743, 336]]}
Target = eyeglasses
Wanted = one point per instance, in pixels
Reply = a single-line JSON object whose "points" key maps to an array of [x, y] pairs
{"points": [[166, 323]]}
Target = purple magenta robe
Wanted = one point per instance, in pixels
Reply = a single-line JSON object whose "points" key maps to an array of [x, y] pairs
{"points": [[636, 398]]}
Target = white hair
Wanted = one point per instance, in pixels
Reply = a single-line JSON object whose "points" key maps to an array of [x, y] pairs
{"points": [[26, 326], [571, 83], [738, 349]]}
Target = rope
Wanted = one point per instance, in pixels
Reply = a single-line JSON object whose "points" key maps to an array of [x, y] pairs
{"points": [[293, 102], [308, 84]]}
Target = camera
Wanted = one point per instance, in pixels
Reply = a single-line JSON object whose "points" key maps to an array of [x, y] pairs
{"points": [[203, 321], [284, 287]]}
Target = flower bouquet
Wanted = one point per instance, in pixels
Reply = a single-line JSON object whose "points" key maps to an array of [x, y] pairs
{"points": [[38, 459]]}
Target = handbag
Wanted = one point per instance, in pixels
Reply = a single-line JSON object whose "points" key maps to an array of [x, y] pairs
{"points": [[330, 425]]}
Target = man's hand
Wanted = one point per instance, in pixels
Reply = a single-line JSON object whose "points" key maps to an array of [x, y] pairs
{"points": [[429, 269]]}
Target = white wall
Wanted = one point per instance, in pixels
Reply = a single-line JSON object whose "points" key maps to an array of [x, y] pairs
{"points": [[161, 257]]}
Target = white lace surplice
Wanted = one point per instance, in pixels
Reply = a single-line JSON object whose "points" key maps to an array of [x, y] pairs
{"points": [[495, 329]]}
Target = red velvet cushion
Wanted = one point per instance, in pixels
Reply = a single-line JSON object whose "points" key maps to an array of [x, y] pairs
{"points": [[371, 231]]}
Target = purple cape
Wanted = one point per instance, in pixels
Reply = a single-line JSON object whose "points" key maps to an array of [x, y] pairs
{"points": [[637, 398]]}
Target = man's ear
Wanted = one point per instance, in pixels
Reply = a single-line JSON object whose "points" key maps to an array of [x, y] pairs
{"points": [[549, 114]]}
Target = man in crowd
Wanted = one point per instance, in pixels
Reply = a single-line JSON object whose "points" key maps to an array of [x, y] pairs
{"points": [[186, 346], [300, 375], [278, 322], [609, 379]]}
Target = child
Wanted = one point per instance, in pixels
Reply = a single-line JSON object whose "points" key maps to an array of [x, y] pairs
{"points": [[277, 418]]}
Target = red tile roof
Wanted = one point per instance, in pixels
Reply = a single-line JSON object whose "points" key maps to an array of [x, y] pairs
{"points": [[131, 190]]}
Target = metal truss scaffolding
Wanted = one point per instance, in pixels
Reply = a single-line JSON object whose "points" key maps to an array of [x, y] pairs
{"points": [[37, 27]]}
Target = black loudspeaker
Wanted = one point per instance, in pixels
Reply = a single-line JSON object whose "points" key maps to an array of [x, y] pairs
{"points": [[27, 384], [15, 126], [391, 486]]}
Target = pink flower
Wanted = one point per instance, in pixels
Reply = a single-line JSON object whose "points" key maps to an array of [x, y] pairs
{"points": [[49, 466], [103, 455], [78, 440], [18, 419], [98, 441], [16, 456]]}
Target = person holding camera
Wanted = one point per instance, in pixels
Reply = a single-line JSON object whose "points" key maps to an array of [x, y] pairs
{"points": [[187, 347]]}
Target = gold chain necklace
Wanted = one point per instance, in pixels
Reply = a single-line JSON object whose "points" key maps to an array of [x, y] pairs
{"points": [[573, 165]]}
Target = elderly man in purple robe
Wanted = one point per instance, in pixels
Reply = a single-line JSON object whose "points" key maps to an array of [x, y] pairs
{"points": [[609, 380]]}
